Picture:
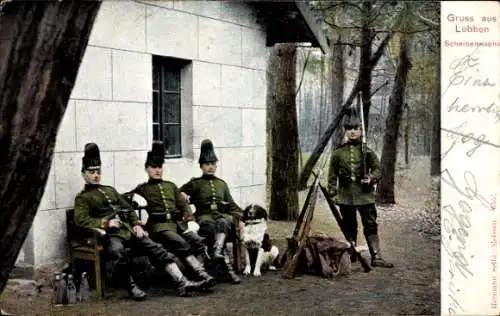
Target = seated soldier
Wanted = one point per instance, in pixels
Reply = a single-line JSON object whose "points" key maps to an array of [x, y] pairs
{"points": [[214, 208], [169, 214], [102, 207]]}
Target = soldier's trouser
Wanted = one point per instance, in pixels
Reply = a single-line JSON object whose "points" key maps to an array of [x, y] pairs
{"points": [[196, 242], [173, 242], [368, 214], [210, 227], [115, 250]]}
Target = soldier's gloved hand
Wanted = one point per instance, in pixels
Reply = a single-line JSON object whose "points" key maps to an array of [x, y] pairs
{"points": [[139, 231], [114, 223], [192, 227]]}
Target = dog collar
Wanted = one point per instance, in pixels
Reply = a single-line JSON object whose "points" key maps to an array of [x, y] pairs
{"points": [[253, 221]]}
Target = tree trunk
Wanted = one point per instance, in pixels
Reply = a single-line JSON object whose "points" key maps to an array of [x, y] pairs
{"points": [[284, 131], [337, 81], [40, 53], [338, 85], [269, 142], [322, 107], [318, 150], [365, 68], [436, 127], [407, 136], [300, 121], [385, 189]]}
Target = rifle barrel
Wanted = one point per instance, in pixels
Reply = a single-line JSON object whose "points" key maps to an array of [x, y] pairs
{"points": [[363, 133]]}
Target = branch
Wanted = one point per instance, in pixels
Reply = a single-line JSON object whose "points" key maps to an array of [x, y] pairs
{"points": [[378, 13], [377, 90], [380, 49], [425, 20], [340, 4], [426, 30], [335, 26], [353, 45], [303, 72]]}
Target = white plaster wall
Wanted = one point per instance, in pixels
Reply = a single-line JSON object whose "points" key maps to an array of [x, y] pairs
{"points": [[112, 99]]}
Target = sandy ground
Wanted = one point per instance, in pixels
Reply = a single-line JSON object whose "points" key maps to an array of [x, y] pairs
{"points": [[411, 288]]}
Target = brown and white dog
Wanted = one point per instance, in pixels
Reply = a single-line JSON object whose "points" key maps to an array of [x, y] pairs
{"points": [[254, 237]]}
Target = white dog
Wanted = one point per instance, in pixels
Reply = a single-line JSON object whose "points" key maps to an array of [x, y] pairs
{"points": [[255, 237]]}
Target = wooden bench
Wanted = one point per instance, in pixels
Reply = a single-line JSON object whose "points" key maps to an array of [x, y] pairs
{"points": [[85, 244]]}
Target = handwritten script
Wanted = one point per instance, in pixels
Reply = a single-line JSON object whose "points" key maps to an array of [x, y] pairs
{"points": [[466, 73], [456, 224], [463, 140]]}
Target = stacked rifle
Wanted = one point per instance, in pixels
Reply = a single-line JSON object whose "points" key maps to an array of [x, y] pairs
{"points": [[297, 242]]}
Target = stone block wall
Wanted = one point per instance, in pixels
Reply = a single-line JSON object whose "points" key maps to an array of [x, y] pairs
{"points": [[223, 98]]}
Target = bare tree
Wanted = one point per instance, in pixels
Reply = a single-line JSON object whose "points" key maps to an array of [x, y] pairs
{"points": [[436, 127], [40, 53], [365, 67], [284, 202], [407, 135], [322, 111], [429, 15], [337, 86], [385, 189]]}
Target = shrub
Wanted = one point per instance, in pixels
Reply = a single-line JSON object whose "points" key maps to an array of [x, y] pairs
{"points": [[432, 210]]}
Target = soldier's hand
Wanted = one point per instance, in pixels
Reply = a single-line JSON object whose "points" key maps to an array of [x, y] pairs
{"points": [[139, 231], [114, 223], [185, 197], [241, 226], [332, 191], [193, 226], [368, 178]]}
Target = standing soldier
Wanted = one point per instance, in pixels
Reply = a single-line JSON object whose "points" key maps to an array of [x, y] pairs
{"points": [[215, 208], [169, 214], [356, 189], [102, 207]]}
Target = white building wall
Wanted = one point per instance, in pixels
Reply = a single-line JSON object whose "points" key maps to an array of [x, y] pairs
{"points": [[111, 104]]}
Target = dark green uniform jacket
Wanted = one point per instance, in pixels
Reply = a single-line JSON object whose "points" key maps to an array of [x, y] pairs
{"points": [[96, 202], [348, 168], [212, 198], [166, 207]]}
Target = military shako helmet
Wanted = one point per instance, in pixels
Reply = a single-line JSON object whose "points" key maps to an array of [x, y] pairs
{"points": [[91, 158], [352, 119], [156, 157], [207, 153]]}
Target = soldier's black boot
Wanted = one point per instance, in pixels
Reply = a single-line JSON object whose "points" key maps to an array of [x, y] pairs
{"points": [[374, 247], [184, 286], [220, 240], [354, 235], [198, 244], [229, 265], [197, 266], [201, 258], [353, 256], [133, 290], [204, 254]]}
